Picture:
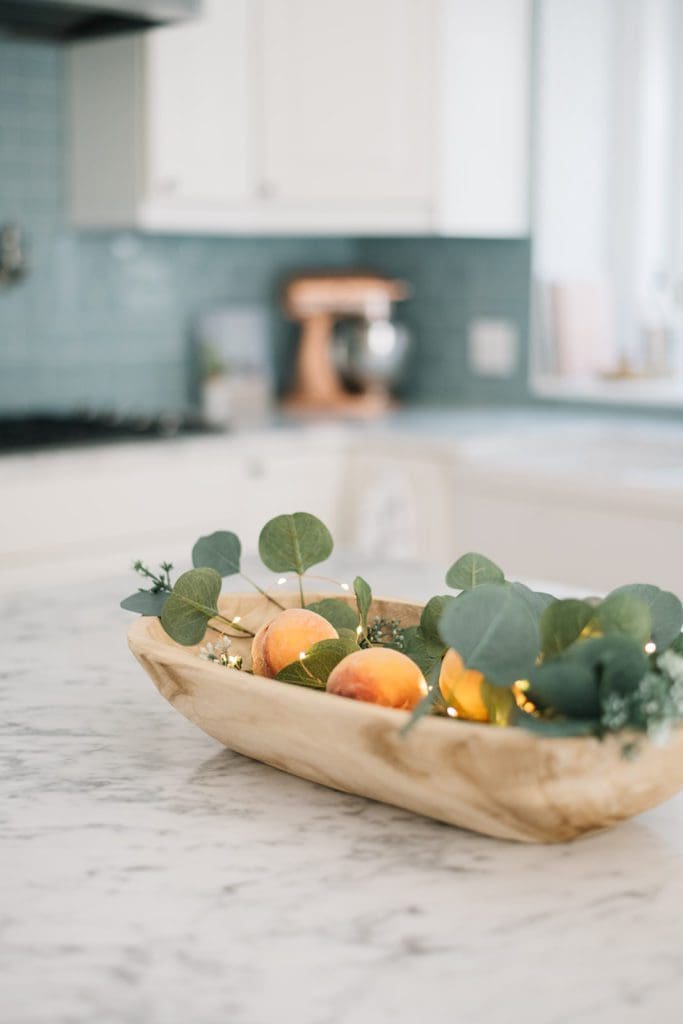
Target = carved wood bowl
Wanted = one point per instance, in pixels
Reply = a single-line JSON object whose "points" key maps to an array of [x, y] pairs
{"points": [[503, 782]]}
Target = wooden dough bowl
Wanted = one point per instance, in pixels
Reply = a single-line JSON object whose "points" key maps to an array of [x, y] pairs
{"points": [[502, 782]]}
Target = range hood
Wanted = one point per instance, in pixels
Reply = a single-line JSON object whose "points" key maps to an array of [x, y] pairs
{"points": [[80, 19]]}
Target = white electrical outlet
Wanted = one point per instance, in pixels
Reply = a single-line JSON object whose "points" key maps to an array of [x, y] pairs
{"points": [[493, 347]]}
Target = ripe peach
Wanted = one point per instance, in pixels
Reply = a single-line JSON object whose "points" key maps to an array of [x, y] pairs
{"points": [[378, 675], [461, 688], [281, 641]]}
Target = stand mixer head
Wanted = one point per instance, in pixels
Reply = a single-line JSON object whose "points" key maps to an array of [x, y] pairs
{"points": [[317, 303]]}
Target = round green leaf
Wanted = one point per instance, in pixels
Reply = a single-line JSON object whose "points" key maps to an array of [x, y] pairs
{"points": [[565, 687], [337, 612], [220, 551], [562, 623], [190, 606], [618, 661], [423, 650], [471, 570], [665, 608], [315, 668], [431, 615], [494, 630], [536, 599], [626, 614], [294, 543], [146, 602]]}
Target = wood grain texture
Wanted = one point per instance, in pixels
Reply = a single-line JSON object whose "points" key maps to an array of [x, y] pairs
{"points": [[501, 782]]}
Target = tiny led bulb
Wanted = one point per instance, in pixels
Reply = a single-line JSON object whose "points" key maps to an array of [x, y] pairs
{"points": [[344, 586], [282, 581], [302, 655], [237, 618], [359, 630], [451, 712], [650, 647]]}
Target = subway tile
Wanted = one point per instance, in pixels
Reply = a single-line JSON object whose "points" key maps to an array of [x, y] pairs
{"points": [[105, 320]]}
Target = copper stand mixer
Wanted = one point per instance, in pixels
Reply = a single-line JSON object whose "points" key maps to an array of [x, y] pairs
{"points": [[318, 303]]}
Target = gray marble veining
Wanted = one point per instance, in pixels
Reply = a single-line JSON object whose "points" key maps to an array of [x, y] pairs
{"points": [[151, 877]]}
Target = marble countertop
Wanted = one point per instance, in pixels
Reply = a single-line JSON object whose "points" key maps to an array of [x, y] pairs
{"points": [[152, 877]]}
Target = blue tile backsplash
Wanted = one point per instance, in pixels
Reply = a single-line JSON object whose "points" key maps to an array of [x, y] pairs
{"points": [[103, 320]]}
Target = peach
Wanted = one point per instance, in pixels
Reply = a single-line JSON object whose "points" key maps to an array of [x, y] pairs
{"points": [[378, 675], [461, 688], [281, 641]]}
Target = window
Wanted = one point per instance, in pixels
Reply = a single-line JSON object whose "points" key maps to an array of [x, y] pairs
{"points": [[608, 200]]}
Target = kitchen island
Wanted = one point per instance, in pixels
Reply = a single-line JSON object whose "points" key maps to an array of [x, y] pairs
{"points": [[152, 877]]}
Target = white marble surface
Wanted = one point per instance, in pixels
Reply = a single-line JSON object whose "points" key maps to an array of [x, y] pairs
{"points": [[151, 877]]}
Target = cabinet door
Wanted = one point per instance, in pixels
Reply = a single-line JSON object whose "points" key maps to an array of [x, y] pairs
{"points": [[348, 99], [198, 106], [484, 70]]}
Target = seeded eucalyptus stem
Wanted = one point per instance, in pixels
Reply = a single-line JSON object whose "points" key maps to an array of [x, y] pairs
{"points": [[301, 590], [160, 584]]}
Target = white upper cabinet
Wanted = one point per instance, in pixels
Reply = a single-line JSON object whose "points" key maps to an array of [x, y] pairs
{"points": [[159, 123], [197, 107], [372, 116], [349, 101], [485, 106]]}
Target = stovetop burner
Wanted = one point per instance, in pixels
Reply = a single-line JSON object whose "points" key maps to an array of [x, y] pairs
{"points": [[26, 433]]}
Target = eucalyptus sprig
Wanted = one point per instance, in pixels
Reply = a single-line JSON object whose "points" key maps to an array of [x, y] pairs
{"points": [[150, 600], [222, 551], [295, 543], [288, 543], [556, 667], [193, 604]]}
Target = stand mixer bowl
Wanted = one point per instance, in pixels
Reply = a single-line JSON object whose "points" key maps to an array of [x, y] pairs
{"points": [[370, 353]]}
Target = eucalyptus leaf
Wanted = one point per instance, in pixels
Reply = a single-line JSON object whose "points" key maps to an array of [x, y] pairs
{"points": [[665, 608], [471, 570], [677, 644], [494, 630], [315, 668], [336, 611], [618, 661], [626, 614], [348, 634], [535, 599], [425, 651], [190, 606], [146, 602], [363, 593], [220, 551], [623, 669], [562, 623], [294, 543], [566, 687], [431, 614]]}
